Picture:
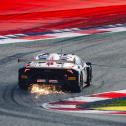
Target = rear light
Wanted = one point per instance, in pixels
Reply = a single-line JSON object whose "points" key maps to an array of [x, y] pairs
{"points": [[41, 80], [70, 71], [24, 76], [26, 70], [71, 78], [53, 81]]}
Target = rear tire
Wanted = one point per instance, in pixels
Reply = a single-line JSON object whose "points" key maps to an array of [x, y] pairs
{"points": [[78, 88], [22, 86], [22, 83], [81, 84], [89, 74], [75, 89]]}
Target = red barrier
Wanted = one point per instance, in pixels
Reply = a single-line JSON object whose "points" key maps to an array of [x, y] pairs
{"points": [[21, 16]]}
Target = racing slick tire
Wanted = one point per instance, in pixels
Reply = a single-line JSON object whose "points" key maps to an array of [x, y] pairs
{"points": [[78, 87], [89, 74], [23, 84], [75, 89]]}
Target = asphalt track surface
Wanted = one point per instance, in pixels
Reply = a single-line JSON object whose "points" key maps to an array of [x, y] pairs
{"points": [[20, 108]]}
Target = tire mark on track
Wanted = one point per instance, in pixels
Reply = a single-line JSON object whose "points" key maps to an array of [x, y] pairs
{"points": [[16, 95], [9, 101]]}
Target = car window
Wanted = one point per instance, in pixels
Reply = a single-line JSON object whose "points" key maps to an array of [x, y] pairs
{"points": [[78, 61]]}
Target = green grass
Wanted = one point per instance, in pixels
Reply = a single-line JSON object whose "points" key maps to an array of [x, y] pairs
{"points": [[106, 103], [115, 103]]}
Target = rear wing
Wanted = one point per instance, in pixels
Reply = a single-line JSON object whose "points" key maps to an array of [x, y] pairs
{"points": [[44, 60]]}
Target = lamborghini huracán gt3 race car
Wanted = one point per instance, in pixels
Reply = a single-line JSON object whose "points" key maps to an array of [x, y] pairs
{"points": [[65, 70]]}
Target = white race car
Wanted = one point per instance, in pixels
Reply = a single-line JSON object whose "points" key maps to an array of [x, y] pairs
{"points": [[68, 71]]}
